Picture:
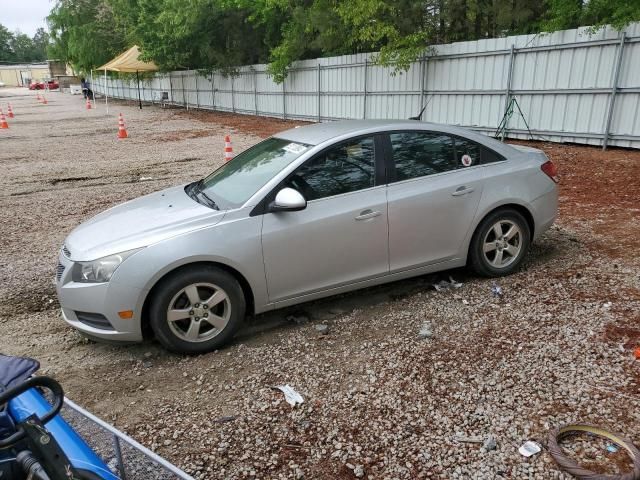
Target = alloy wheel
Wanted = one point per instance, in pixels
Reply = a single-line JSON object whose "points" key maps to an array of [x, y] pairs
{"points": [[502, 244], [199, 312]]}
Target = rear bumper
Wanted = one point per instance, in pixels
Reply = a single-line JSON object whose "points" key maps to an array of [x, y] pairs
{"points": [[545, 211]]}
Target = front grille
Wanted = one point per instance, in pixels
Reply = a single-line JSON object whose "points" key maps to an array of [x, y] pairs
{"points": [[66, 251], [59, 271], [95, 320]]}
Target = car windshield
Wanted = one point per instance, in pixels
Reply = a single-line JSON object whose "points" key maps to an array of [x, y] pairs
{"points": [[235, 182]]}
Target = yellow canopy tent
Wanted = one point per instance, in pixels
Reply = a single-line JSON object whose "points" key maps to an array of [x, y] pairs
{"points": [[128, 62]]}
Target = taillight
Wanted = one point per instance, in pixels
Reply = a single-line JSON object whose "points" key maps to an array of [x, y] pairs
{"points": [[550, 169]]}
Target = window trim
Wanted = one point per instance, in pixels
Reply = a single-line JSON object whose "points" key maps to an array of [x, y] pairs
{"points": [[390, 163], [379, 171]]}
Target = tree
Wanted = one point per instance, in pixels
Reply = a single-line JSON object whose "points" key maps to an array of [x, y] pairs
{"points": [[6, 51], [18, 47], [564, 14], [40, 43], [223, 34], [84, 33]]}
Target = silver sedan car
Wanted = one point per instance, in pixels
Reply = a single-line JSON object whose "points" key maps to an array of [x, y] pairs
{"points": [[310, 212]]}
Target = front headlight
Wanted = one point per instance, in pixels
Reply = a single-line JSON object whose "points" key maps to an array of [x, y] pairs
{"points": [[100, 270]]}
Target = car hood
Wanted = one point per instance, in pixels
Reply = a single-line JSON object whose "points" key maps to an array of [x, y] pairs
{"points": [[139, 223]]}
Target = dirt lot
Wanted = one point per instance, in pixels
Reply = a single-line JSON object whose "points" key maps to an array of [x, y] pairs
{"points": [[380, 402]]}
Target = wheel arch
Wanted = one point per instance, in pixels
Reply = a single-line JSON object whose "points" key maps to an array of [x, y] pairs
{"points": [[523, 210], [244, 284]]}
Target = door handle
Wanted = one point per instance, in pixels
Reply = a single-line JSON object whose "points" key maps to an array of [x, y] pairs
{"points": [[463, 190], [367, 214]]}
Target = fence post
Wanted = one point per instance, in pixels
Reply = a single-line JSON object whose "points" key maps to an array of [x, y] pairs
{"points": [[364, 102], [170, 89], [255, 91], [319, 91], [233, 94], [197, 91], [507, 93], [422, 62], [284, 100], [614, 90], [184, 97], [213, 92]]}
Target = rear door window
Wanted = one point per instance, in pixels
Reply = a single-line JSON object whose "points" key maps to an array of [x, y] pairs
{"points": [[468, 153], [418, 154]]}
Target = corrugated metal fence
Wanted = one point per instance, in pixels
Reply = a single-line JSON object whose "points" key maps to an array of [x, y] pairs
{"points": [[571, 86]]}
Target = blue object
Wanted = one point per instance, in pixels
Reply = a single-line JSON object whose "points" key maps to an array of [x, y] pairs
{"points": [[79, 453], [13, 371], [612, 448]]}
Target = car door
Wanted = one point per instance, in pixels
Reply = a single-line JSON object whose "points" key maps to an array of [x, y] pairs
{"points": [[436, 184], [341, 237]]}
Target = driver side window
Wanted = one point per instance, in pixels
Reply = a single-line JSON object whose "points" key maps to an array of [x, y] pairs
{"points": [[345, 168]]}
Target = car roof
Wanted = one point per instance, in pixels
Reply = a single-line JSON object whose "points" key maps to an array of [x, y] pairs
{"points": [[318, 133]]}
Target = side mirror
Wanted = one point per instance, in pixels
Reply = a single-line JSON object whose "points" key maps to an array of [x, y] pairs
{"points": [[288, 200]]}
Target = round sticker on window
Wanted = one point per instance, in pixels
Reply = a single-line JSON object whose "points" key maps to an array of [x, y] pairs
{"points": [[466, 160]]}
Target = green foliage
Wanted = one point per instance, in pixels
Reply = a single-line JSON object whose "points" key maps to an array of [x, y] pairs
{"points": [[18, 47], [564, 14], [223, 34], [84, 33], [6, 53]]}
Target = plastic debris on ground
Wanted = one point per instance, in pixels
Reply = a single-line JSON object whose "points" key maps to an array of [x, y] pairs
{"points": [[322, 328], [290, 395], [466, 439], [445, 285], [496, 290], [145, 179], [529, 448], [490, 444], [612, 448], [636, 353], [425, 331], [298, 318]]}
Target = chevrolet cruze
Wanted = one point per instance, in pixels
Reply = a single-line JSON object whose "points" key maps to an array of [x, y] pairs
{"points": [[310, 212]]}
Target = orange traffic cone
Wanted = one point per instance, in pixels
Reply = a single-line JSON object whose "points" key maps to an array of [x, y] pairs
{"points": [[3, 120], [88, 104], [122, 133], [228, 149], [10, 111]]}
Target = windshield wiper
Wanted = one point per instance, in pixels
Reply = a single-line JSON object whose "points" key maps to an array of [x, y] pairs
{"points": [[194, 189], [209, 200]]}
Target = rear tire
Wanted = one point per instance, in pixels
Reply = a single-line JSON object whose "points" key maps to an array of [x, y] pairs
{"points": [[500, 243], [197, 310]]}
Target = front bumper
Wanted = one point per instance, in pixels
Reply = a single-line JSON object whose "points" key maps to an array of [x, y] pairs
{"points": [[99, 299]]}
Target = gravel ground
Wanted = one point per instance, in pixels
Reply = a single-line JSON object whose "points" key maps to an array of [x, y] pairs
{"points": [[380, 400]]}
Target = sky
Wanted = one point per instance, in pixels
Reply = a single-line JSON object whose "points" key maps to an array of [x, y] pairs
{"points": [[24, 15]]}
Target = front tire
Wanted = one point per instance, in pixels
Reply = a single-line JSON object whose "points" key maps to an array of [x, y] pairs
{"points": [[197, 310], [500, 243]]}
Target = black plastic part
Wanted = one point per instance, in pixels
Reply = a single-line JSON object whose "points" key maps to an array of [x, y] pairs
{"points": [[44, 382], [46, 449], [272, 207], [31, 466], [419, 116]]}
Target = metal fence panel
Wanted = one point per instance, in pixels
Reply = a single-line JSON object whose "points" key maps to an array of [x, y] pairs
{"points": [[573, 85]]}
